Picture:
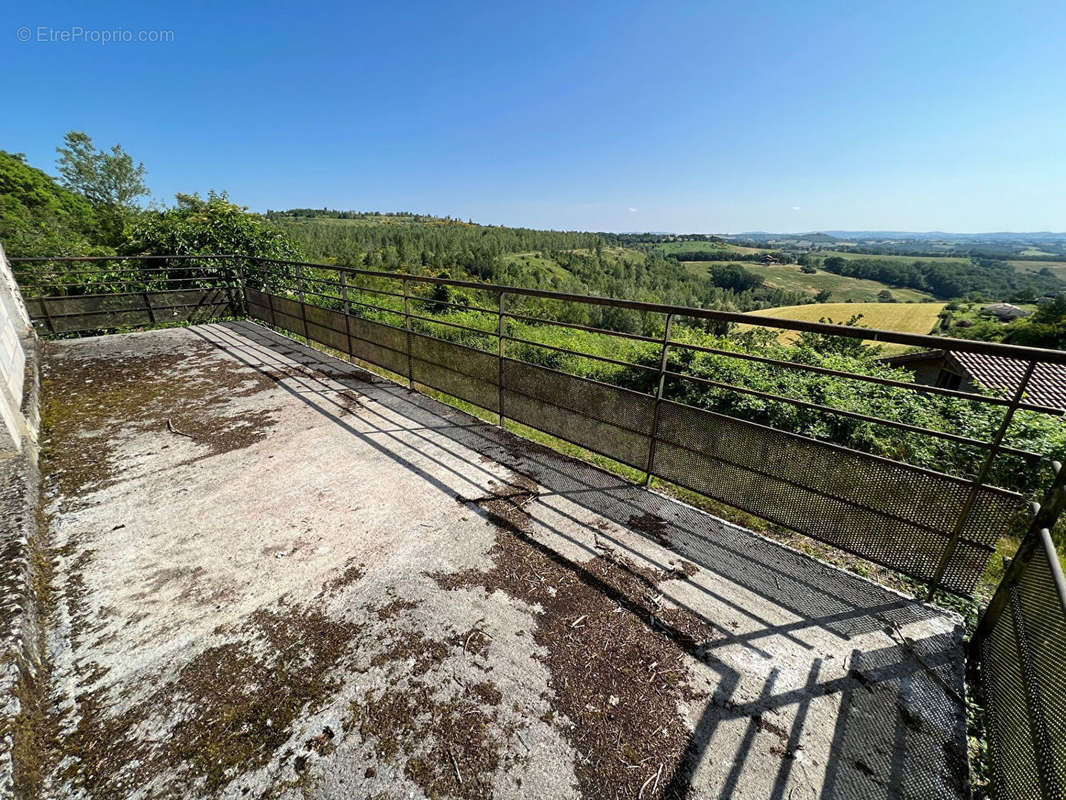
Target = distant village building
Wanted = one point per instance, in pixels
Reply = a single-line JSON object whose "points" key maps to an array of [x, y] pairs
{"points": [[969, 371], [1004, 312]]}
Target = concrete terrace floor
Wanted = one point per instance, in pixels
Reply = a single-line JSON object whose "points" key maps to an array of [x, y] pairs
{"points": [[279, 576]]}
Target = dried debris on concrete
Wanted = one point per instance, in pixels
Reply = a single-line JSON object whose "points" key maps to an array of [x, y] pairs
{"points": [[334, 588]]}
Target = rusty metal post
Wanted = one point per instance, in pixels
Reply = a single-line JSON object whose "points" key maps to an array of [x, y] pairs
{"points": [[978, 482], [148, 305], [300, 295], [47, 315], [273, 314], [407, 325], [243, 279], [658, 399], [347, 313], [499, 354]]}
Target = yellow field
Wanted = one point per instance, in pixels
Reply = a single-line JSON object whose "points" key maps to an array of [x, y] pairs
{"points": [[900, 317]]}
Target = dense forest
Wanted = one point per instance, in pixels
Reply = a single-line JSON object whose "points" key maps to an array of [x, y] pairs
{"points": [[578, 263]]}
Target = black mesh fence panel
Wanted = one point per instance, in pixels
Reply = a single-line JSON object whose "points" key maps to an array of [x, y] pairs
{"points": [[461, 371], [288, 314], [120, 310], [327, 327], [373, 342], [259, 306], [379, 344], [890, 513], [605, 419], [1023, 682]]}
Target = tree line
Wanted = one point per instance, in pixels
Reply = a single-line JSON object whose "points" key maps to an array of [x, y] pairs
{"points": [[946, 280]]}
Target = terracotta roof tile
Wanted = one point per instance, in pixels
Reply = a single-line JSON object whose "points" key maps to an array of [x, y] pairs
{"points": [[1047, 387]]}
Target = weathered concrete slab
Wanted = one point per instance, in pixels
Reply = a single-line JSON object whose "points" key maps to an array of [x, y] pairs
{"points": [[280, 577]]}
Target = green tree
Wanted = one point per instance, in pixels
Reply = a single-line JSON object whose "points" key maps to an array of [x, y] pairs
{"points": [[213, 226], [110, 181], [106, 179], [823, 296]]}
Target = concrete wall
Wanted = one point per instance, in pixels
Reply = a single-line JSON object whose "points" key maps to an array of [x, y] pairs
{"points": [[15, 331], [21, 544]]}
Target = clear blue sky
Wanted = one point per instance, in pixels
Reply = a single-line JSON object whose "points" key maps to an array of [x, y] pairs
{"points": [[699, 116]]}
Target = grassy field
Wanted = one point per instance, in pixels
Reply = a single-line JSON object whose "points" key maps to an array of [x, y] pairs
{"points": [[666, 248], [901, 317], [1058, 268], [790, 278], [885, 257]]}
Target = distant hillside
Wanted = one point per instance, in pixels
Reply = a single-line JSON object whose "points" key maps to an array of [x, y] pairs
{"points": [[790, 277], [40, 217], [574, 262]]}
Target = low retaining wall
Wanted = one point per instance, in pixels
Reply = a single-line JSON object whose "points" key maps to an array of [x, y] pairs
{"points": [[16, 334], [21, 546]]}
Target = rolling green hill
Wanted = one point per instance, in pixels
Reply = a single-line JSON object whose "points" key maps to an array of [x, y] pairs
{"points": [[851, 256], [1057, 268], [791, 278], [669, 248]]}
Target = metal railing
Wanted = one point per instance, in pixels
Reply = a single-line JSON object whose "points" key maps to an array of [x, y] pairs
{"points": [[1018, 655], [647, 398], [642, 402]]}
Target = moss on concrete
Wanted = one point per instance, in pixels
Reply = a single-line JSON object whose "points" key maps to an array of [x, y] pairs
{"points": [[227, 711], [89, 401]]}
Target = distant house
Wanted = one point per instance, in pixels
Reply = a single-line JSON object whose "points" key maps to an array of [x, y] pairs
{"points": [[1004, 312], [968, 371]]}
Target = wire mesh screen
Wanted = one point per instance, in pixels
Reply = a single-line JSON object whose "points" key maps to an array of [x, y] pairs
{"points": [[121, 310], [1023, 681], [898, 515], [605, 419], [887, 512], [461, 371], [258, 305], [373, 342], [327, 327], [379, 344], [288, 314]]}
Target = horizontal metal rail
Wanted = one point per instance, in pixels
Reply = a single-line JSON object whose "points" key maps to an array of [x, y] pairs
{"points": [[918, 387], [868, 334], [604, 359], [457, 306], [575, 326], [434, 321], [91, 259], [623, 423], [903, 426]]}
